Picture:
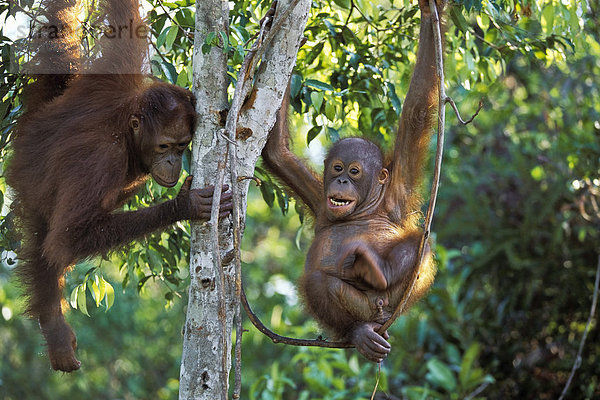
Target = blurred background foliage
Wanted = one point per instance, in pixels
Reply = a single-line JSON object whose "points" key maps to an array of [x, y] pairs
{"points": [[516, 229]]}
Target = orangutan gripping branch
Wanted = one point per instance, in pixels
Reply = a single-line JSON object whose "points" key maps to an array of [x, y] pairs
{"points": [[366, 214], [85, 144]]}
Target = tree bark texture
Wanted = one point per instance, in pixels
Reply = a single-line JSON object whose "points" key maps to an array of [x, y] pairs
{"points": [[206, 358]]}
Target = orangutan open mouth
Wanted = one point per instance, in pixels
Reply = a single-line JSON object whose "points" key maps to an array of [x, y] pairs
{"points": [[339, 202]]}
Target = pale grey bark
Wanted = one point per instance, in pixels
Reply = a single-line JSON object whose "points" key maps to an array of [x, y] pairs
{"points": [[206, 358]]}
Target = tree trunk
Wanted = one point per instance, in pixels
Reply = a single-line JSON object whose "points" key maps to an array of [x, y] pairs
{"points": [[206, 358]]}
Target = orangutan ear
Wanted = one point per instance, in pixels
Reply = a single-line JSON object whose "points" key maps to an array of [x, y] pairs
{"points": [[383, 176], [134, 124]]}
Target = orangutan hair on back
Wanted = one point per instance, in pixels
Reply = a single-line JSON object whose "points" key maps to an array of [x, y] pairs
{"points": [[89, 139]]}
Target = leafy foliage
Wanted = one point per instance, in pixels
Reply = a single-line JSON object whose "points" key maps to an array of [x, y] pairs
{"points": [[516, 225]]}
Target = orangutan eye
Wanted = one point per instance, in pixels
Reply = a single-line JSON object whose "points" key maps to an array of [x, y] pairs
{"points": [[354, 171], [338, 168]]}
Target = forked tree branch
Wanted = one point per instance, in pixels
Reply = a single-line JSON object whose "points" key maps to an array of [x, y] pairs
{"points": [[245, 80], [241, 91]]}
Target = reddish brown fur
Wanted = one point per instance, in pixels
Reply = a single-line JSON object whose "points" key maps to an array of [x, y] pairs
{"points": [[359, 264], [78, 157]]}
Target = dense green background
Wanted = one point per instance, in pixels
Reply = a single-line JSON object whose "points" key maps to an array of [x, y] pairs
{"points": [[516, 227]]}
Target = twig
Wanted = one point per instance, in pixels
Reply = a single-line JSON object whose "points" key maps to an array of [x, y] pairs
{"points": [[253, 178], [376, 381], [162, 57], [577, 362], [453, 104], [437, 169], [490, 44], [177, 24], [478, 390], [352, 6]]}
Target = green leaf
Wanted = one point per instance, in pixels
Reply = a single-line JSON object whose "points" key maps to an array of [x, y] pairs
{"points": [[142, 282], [210, 38], [95, 290], [182, 79], [171, 36], [548, 18], [330, 110], [333, 134], [73, 298], [319, 85], [101, 286], [298, 236], [314, 53], [160, 40], [317, 99], [283, 201], [345, 4], [225, 40], [396, 103], [169, 71], [295, 85], [313, 133], [110, 294], [300, 211], [466, 366], [154, 261], [266, 189], [81, 299], [209, 41], [440, 375], [458, 19], [166, 257]]}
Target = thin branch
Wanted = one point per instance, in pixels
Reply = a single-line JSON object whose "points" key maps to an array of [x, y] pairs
{"points": [[253, 178], [376, 381], [240, 93], [577, 362], [490, 44], [175, 23], [453, 104], [158, 52], [287, 340], [437, 169], [477, 391], [214, 234], [352, 6]]}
